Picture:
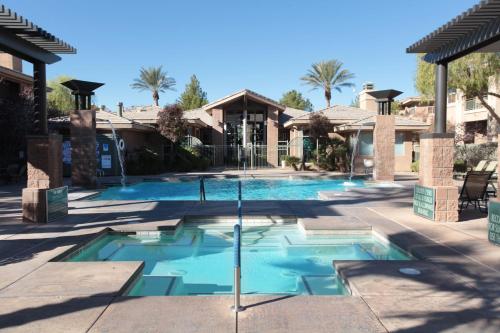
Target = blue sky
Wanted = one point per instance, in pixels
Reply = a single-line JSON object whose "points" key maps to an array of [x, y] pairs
{"points": [[261, 45]]}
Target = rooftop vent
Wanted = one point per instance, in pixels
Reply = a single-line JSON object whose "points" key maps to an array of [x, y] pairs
{"points": [[368, 86]]}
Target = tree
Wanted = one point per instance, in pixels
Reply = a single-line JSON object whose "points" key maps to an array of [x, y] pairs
{"points": [[60, 97], [172, 125], [472, 73], [319, 126], [193, 96], [155, 80], [328, 75], [294, 99], [425, 79]]}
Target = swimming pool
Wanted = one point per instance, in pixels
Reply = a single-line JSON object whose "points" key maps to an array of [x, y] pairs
{"points": [[227, 189], [198, 260]]}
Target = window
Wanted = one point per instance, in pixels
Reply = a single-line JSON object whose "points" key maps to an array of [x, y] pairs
{"points": [[366, 143], [399, 146]]}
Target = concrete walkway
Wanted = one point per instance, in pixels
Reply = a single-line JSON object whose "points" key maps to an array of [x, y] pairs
{"points": [[456, 292]]}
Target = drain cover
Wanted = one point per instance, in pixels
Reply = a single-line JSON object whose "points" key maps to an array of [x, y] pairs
{"points": [[409, 271]]}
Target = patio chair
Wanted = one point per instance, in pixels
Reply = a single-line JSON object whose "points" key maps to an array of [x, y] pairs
{"points": [[480, 166], [474, 190], [492, 167]]}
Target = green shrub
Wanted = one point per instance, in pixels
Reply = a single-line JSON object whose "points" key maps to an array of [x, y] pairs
{"points": [[460, 166], [291, 160], [415, 166], [143, 161], [471, 154]]}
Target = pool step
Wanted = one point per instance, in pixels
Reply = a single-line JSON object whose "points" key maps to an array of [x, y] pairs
{"points": [[256, 220]]}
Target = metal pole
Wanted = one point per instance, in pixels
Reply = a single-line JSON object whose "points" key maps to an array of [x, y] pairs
{"points": [[237, 268], [40, 97], [441, 97], [240, 217]]}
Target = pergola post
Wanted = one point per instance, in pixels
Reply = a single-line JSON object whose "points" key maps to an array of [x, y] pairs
{"points": [[437, 156], [40, 96], [441, 97]]}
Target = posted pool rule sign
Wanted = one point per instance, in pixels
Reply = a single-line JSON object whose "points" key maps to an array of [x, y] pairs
{"points": [[424, 199], [57, 203], [494, 222]]}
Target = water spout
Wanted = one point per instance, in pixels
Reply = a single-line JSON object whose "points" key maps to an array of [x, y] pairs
{"points": [[123, 179], [353, 156]]}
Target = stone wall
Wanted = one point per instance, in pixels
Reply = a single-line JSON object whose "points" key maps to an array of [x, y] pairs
{"points": [[436, 171], [83, 148], [45, 161], [272, 136], [436, 159], [44, 172], [383, 147]]}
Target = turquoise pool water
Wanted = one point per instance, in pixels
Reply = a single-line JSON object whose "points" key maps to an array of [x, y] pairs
{"points": [[226, 189], [275, 260]]}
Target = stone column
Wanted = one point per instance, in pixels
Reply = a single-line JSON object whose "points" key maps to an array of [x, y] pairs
{"points": [[83, 148], [384, 137], [436, 171], [218, 135], [272, 136], [44, 172]]}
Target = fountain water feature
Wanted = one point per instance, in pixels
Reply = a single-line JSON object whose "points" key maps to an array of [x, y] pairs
{"points": [[353, 156], [123, 180]]}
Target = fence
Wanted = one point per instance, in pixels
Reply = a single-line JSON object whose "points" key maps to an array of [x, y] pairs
{"points": [[253, 156]]}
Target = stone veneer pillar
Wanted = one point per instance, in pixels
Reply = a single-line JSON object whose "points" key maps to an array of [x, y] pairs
{"points": [[272, 136], [436, 171], [83, 148], [44, 172], [218, 135], [384, 137]]}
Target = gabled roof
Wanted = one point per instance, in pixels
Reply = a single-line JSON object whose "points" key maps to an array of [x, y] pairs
{"points": [[245, 92], [475, 30], [102, 118], [401, 123], [149, 115], [337, 114]]}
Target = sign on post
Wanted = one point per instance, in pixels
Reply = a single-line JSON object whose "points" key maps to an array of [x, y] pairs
{"points": [[494, 222], [57, 203], [424, 199]]}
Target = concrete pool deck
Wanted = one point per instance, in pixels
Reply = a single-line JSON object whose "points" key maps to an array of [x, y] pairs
{"points": [[457, 291]]}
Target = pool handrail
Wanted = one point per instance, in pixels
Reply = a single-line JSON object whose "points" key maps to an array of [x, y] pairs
{"points": [[237, 268], [203, 197]]}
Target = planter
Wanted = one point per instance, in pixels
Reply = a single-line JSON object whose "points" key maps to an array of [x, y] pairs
{"points": [[283, 164]]}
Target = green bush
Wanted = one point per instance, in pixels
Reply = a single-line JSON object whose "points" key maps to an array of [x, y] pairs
{"points": [[187, 159], [460, 166], [471, 154], [415, 166], [291, 160], [143, 161], [333, 155]]}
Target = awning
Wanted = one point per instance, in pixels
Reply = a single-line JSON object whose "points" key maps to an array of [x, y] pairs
{"points": [[26, 40], [475, 30]]}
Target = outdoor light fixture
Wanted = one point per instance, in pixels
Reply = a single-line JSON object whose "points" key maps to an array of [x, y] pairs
{"points": [[83, 91], [384, 99]]}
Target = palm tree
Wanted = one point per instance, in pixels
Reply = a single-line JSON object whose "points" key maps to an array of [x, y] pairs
{"points": [[155, 80], [328, 75]]}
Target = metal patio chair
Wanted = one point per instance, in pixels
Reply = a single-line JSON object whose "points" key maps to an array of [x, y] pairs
{"points": [[474, 190]]}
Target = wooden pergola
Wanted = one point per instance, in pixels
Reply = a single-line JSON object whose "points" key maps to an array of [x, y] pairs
{"points": [[24, 39], [475, 30]]}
